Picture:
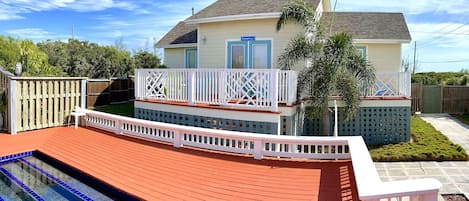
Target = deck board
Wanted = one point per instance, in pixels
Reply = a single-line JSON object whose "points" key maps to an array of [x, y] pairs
{"points": [[158, 171]]}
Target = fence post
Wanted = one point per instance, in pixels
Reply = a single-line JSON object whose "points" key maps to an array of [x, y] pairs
{"points": [[12, 106], [191, 88], [118, 126], [177, 139], [83, 93], [257, 149], [291, 87], [274, 90]]}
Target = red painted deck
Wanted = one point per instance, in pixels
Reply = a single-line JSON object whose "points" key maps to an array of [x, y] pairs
{"points": [[155, 171]]}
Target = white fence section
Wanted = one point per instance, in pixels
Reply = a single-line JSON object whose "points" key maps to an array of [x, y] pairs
{"points": [[369, 185], [390, 84], [242, 88]]}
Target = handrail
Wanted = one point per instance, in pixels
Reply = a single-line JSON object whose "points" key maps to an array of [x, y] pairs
{"points": [[259, 145], [369, 185], [260, 89]]}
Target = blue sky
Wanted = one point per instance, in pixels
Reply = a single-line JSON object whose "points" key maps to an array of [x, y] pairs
{"points": [[441, 28]]}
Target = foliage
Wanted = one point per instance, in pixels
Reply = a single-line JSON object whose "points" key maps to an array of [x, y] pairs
{"points": [[443, 78], [34, 61], [145, 59], [85, 59], [124, 109], [428, 145], [334, 64], [463, 118]]}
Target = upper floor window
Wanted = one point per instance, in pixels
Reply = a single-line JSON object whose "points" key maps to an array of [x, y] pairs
{"points": [[362, 50]]}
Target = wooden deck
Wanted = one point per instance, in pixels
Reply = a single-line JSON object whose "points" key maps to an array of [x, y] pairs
{"points": [[156, 171]]}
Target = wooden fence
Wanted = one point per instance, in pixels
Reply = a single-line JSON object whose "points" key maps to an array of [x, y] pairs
{"points": [[449, 99], [41, 102], [109, 91], [417, 94], [455, 99]]}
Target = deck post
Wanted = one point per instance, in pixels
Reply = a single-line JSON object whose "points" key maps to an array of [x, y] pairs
{"points": [[291, 90], [274, 90], [191, 88], [257, 149], [177, 139], [83, 93], [12, 106]]}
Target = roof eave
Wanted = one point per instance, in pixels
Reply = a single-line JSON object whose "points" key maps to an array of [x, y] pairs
{"points": [[388, 41], [234, 17], [182, 45]]}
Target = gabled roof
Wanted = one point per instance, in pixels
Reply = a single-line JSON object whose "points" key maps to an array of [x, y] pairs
{"points": [[368, 25], [181, 34], [241, 7], [184, 33]]}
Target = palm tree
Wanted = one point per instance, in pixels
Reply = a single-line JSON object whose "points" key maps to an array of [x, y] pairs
{"points": [[333, 65]]}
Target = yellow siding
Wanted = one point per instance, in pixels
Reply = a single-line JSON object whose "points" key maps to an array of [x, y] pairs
{"points": [[174, 57], [384, 57], [212, 50]]}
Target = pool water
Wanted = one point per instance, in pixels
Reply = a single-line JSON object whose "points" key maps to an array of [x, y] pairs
{"points": [[30, 178]]}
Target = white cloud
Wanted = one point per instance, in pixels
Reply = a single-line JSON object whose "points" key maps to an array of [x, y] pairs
{"points": [[35, 34], [13, 9], [410, 7]]}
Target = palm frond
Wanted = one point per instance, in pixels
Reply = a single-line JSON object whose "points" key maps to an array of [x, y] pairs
{"points": [[347, 87], [297, 11], [298, 48]]}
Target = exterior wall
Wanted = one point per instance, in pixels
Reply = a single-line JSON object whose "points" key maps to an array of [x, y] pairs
{"points": [[378, 122], [174, 57], [384, 57], [212, 50], [244, 121]]}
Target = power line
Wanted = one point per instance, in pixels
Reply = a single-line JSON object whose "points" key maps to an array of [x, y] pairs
{"points": [[437, 38]]}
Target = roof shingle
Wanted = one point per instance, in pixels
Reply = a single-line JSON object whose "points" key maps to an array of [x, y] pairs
{"points": [[240, 7], [368, 25], [182, 33]]}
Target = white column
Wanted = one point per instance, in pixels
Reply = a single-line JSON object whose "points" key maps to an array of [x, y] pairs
{"points": [[12, 106], [83, 93], [274, 90], [192, 87]]}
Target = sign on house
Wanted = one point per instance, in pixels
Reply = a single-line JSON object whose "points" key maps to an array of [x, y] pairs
{"points": [[246, 38]]}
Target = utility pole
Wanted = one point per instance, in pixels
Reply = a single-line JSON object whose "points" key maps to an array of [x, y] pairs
{"points": [[415, 53]]}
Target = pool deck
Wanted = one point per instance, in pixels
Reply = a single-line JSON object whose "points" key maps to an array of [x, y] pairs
{"points": [[157, 171]]}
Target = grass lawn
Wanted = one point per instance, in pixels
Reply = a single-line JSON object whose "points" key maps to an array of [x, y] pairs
{"points": [[124, 109], [428, 145], [463, 118]]}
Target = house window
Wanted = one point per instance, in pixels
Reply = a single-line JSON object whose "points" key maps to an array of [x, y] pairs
{"points": [[249, 54], [191, 58], [362, 50], [237, 56]]}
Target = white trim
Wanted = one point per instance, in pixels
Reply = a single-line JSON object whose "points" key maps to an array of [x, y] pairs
{"points": [[179, 45], [390, 41], [234, 17], [198, 46]]}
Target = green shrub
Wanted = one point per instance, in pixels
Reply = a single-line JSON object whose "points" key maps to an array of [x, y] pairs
{"points": [[428, 145]]}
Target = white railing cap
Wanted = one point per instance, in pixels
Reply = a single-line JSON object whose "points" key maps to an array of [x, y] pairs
{"points": [[402, 188]]}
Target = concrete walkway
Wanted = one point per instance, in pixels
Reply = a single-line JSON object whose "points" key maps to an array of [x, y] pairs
{"points": [[453, 175]]}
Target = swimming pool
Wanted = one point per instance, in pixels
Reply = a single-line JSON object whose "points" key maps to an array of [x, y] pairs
{"points": [[35, 176]]}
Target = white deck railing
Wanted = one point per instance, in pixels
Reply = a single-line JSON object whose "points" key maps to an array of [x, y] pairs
{"points": [[389, 84], [369, 185], [245, 88]]}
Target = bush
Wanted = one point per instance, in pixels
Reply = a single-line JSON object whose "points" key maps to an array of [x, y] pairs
{"points": [[428, 145]]}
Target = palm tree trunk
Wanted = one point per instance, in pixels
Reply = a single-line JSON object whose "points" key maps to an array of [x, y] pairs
{"points": [[325, 120]]}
